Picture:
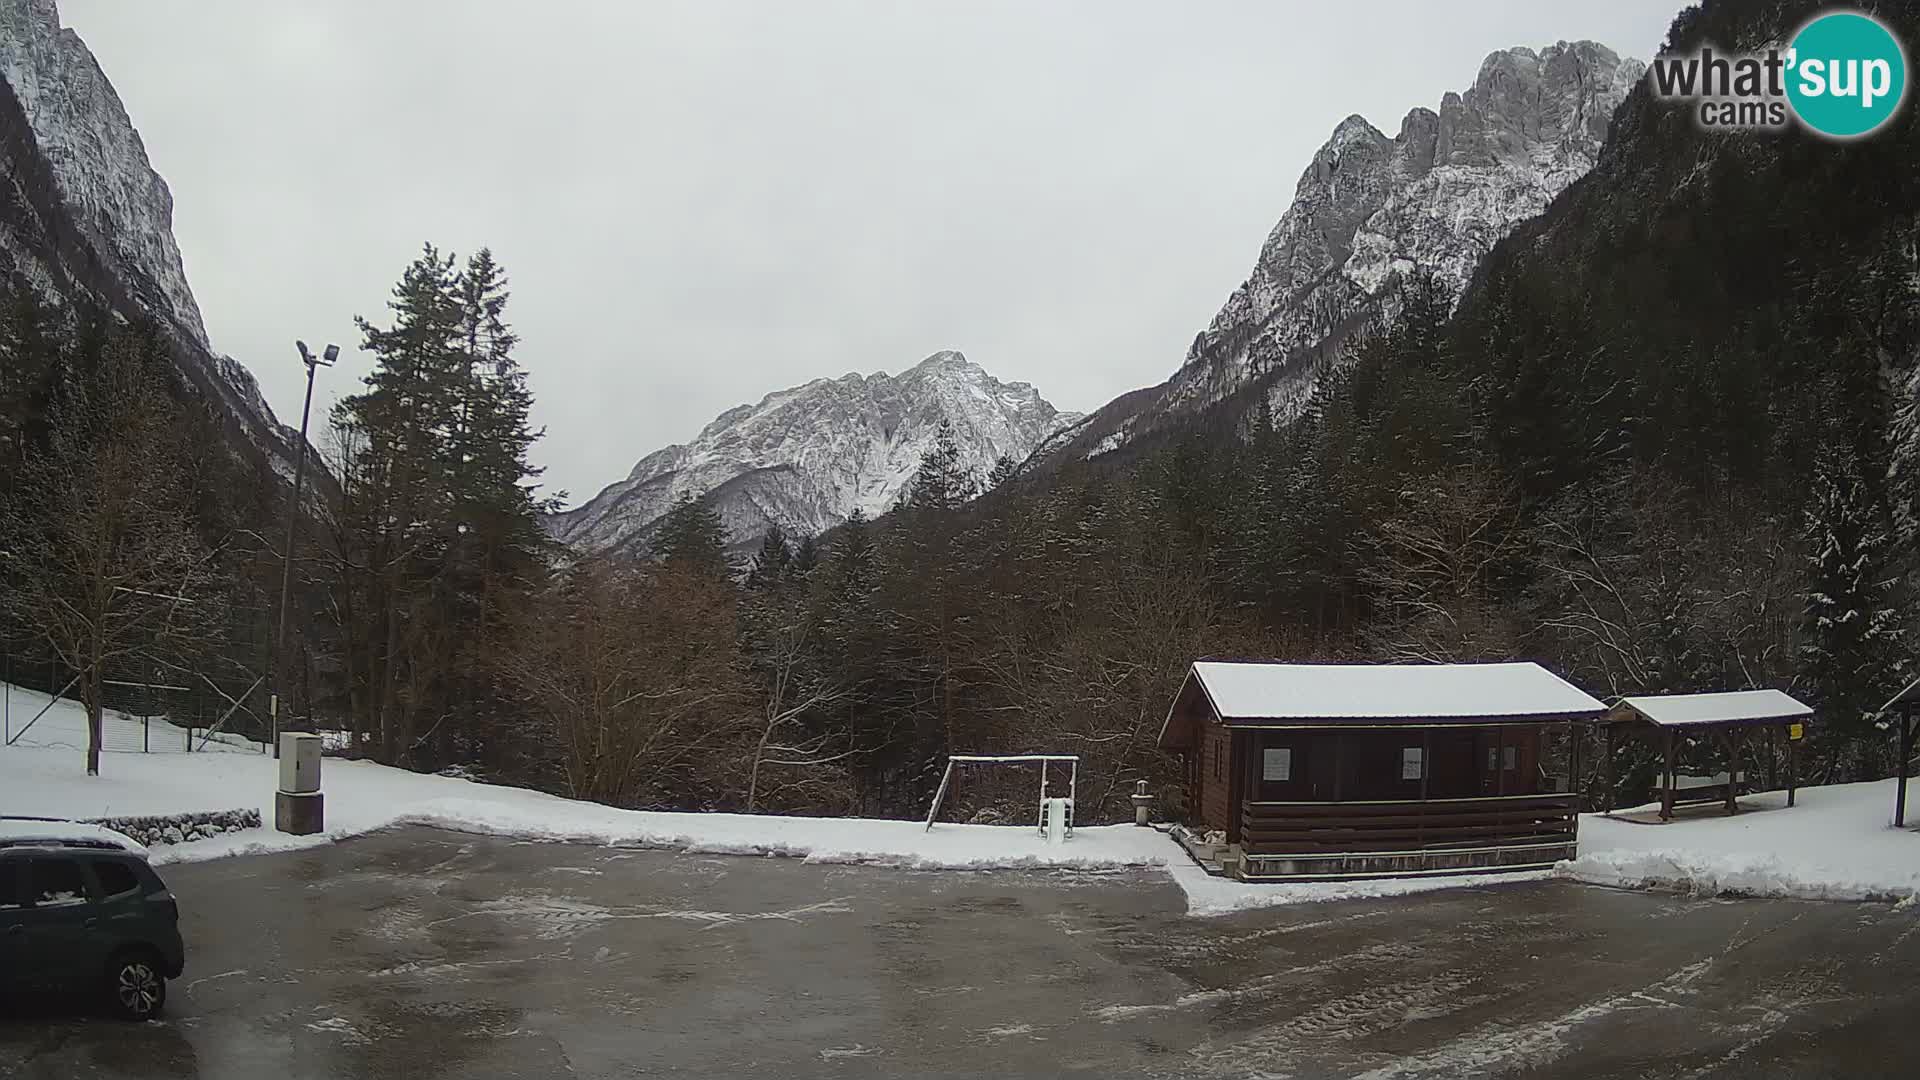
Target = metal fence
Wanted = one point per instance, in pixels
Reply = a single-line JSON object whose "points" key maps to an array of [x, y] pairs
{"points": [[167, 700]]}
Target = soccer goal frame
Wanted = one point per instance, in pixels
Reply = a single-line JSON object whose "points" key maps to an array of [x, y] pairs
{"points": [[1073, 780]]}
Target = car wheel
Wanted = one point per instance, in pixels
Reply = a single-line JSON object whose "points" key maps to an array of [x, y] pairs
{"points": [[135, 987]]}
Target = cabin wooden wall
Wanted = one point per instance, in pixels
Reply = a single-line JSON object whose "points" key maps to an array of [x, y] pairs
{"points": [[1216, 776]]}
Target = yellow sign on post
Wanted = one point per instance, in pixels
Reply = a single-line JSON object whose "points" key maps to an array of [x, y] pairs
{"points": [[1795, 732]]}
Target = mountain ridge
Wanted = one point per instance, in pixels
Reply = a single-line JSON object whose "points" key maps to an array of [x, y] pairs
{"points": [[807, 456], [1366, 210]]}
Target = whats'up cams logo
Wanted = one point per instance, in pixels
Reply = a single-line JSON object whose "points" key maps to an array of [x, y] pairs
{"points": [[1843, 75]]}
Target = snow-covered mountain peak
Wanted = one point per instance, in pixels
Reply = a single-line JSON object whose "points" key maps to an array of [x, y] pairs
{"points": [[806, 457], [120, 203], [1368, 209], [946, 359]]}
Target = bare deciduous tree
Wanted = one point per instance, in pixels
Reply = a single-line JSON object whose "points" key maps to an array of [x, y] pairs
{"points": [[1437, 560], [105, 561], [636, 676], [789, 760]]}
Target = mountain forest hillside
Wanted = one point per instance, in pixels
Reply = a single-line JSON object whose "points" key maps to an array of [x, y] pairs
{"points": [[1666, 443]]}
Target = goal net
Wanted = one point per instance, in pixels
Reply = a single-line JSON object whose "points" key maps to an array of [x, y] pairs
{"points": [[1040, 762]]}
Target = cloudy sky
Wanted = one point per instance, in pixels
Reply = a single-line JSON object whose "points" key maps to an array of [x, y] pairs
{"points": [[703, 202]]}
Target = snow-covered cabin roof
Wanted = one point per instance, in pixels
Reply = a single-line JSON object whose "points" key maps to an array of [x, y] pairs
{"points": [[1730, 707], [1255, 694]]}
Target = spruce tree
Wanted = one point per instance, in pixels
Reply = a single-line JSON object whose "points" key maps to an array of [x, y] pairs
{"points": [[1004, 469], [806, 556], [771, 564], [27, 355], [692, 538], [942, 481], [496, 548], [1853, 646]]}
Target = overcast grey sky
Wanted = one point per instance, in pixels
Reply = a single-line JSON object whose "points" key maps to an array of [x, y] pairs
{"points": [[703, 202]]}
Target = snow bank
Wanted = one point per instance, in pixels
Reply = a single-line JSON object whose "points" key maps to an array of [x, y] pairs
{"points": [[1838, 843], [1208, 895]]}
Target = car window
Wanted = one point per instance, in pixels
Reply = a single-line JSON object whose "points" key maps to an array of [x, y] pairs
{"points": [[12, 894], [56, 882], [115, 878]]}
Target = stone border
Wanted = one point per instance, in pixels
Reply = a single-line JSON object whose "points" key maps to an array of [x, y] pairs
{"points": [[180, 828]]}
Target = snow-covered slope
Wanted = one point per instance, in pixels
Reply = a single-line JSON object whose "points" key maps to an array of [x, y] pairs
{"points": [[104, 235], [1438, 195], [805, 458]]}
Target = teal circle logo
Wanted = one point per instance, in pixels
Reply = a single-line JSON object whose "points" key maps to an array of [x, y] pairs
{"points": [[1847, 75]]}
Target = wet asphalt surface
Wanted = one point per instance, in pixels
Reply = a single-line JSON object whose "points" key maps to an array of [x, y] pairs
{"points": [[420, 954]]}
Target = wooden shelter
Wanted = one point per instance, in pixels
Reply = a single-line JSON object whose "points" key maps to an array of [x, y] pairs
{"points": [[1328, 771], [1671, 720], [1904, 707]]}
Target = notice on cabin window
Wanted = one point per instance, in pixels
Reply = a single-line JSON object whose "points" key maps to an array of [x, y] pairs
{"points": [[1276, 763], [1411, 763]]}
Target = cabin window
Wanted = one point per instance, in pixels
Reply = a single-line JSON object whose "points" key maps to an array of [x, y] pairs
{"points": [[1493, 759], [1511, 761], [1217, 756], [1413, 762], [1276, 763]]}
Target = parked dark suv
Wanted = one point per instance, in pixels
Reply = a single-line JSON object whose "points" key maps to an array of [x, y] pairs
{"points": [[78, 912]]}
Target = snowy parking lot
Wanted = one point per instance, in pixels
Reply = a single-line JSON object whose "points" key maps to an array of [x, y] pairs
{"points": [[554, 938], [418, 953]]}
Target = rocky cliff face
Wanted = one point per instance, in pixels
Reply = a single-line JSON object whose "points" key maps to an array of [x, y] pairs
{"points": [[88, 221], [119, 202], [1369, 208], [806, 458]]}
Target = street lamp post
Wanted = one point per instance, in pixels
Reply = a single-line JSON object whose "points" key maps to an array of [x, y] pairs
{"points": [[279, 642]]}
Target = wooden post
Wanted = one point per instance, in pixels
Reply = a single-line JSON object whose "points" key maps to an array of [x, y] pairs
{"points": [[1666, 775], [1339, 761], [1733, 769], [1792, 772], [1574, 733], [1499, 760], [1900, 770], [1426, 770], [1606, 766], [1426, 762]]}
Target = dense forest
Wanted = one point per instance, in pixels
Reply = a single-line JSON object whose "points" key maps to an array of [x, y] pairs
{"points": [[1669, 440]]}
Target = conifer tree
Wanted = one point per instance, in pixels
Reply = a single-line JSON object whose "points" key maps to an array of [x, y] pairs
{"points": [[27, 355], [692, 538], [439, 527], [1004, 469], [1852, 651], [771, 564], [806, 556], [496, 547], [942, 482]]}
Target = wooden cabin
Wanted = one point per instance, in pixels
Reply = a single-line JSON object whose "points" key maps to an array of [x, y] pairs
{"points": [[1329, 771]]}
